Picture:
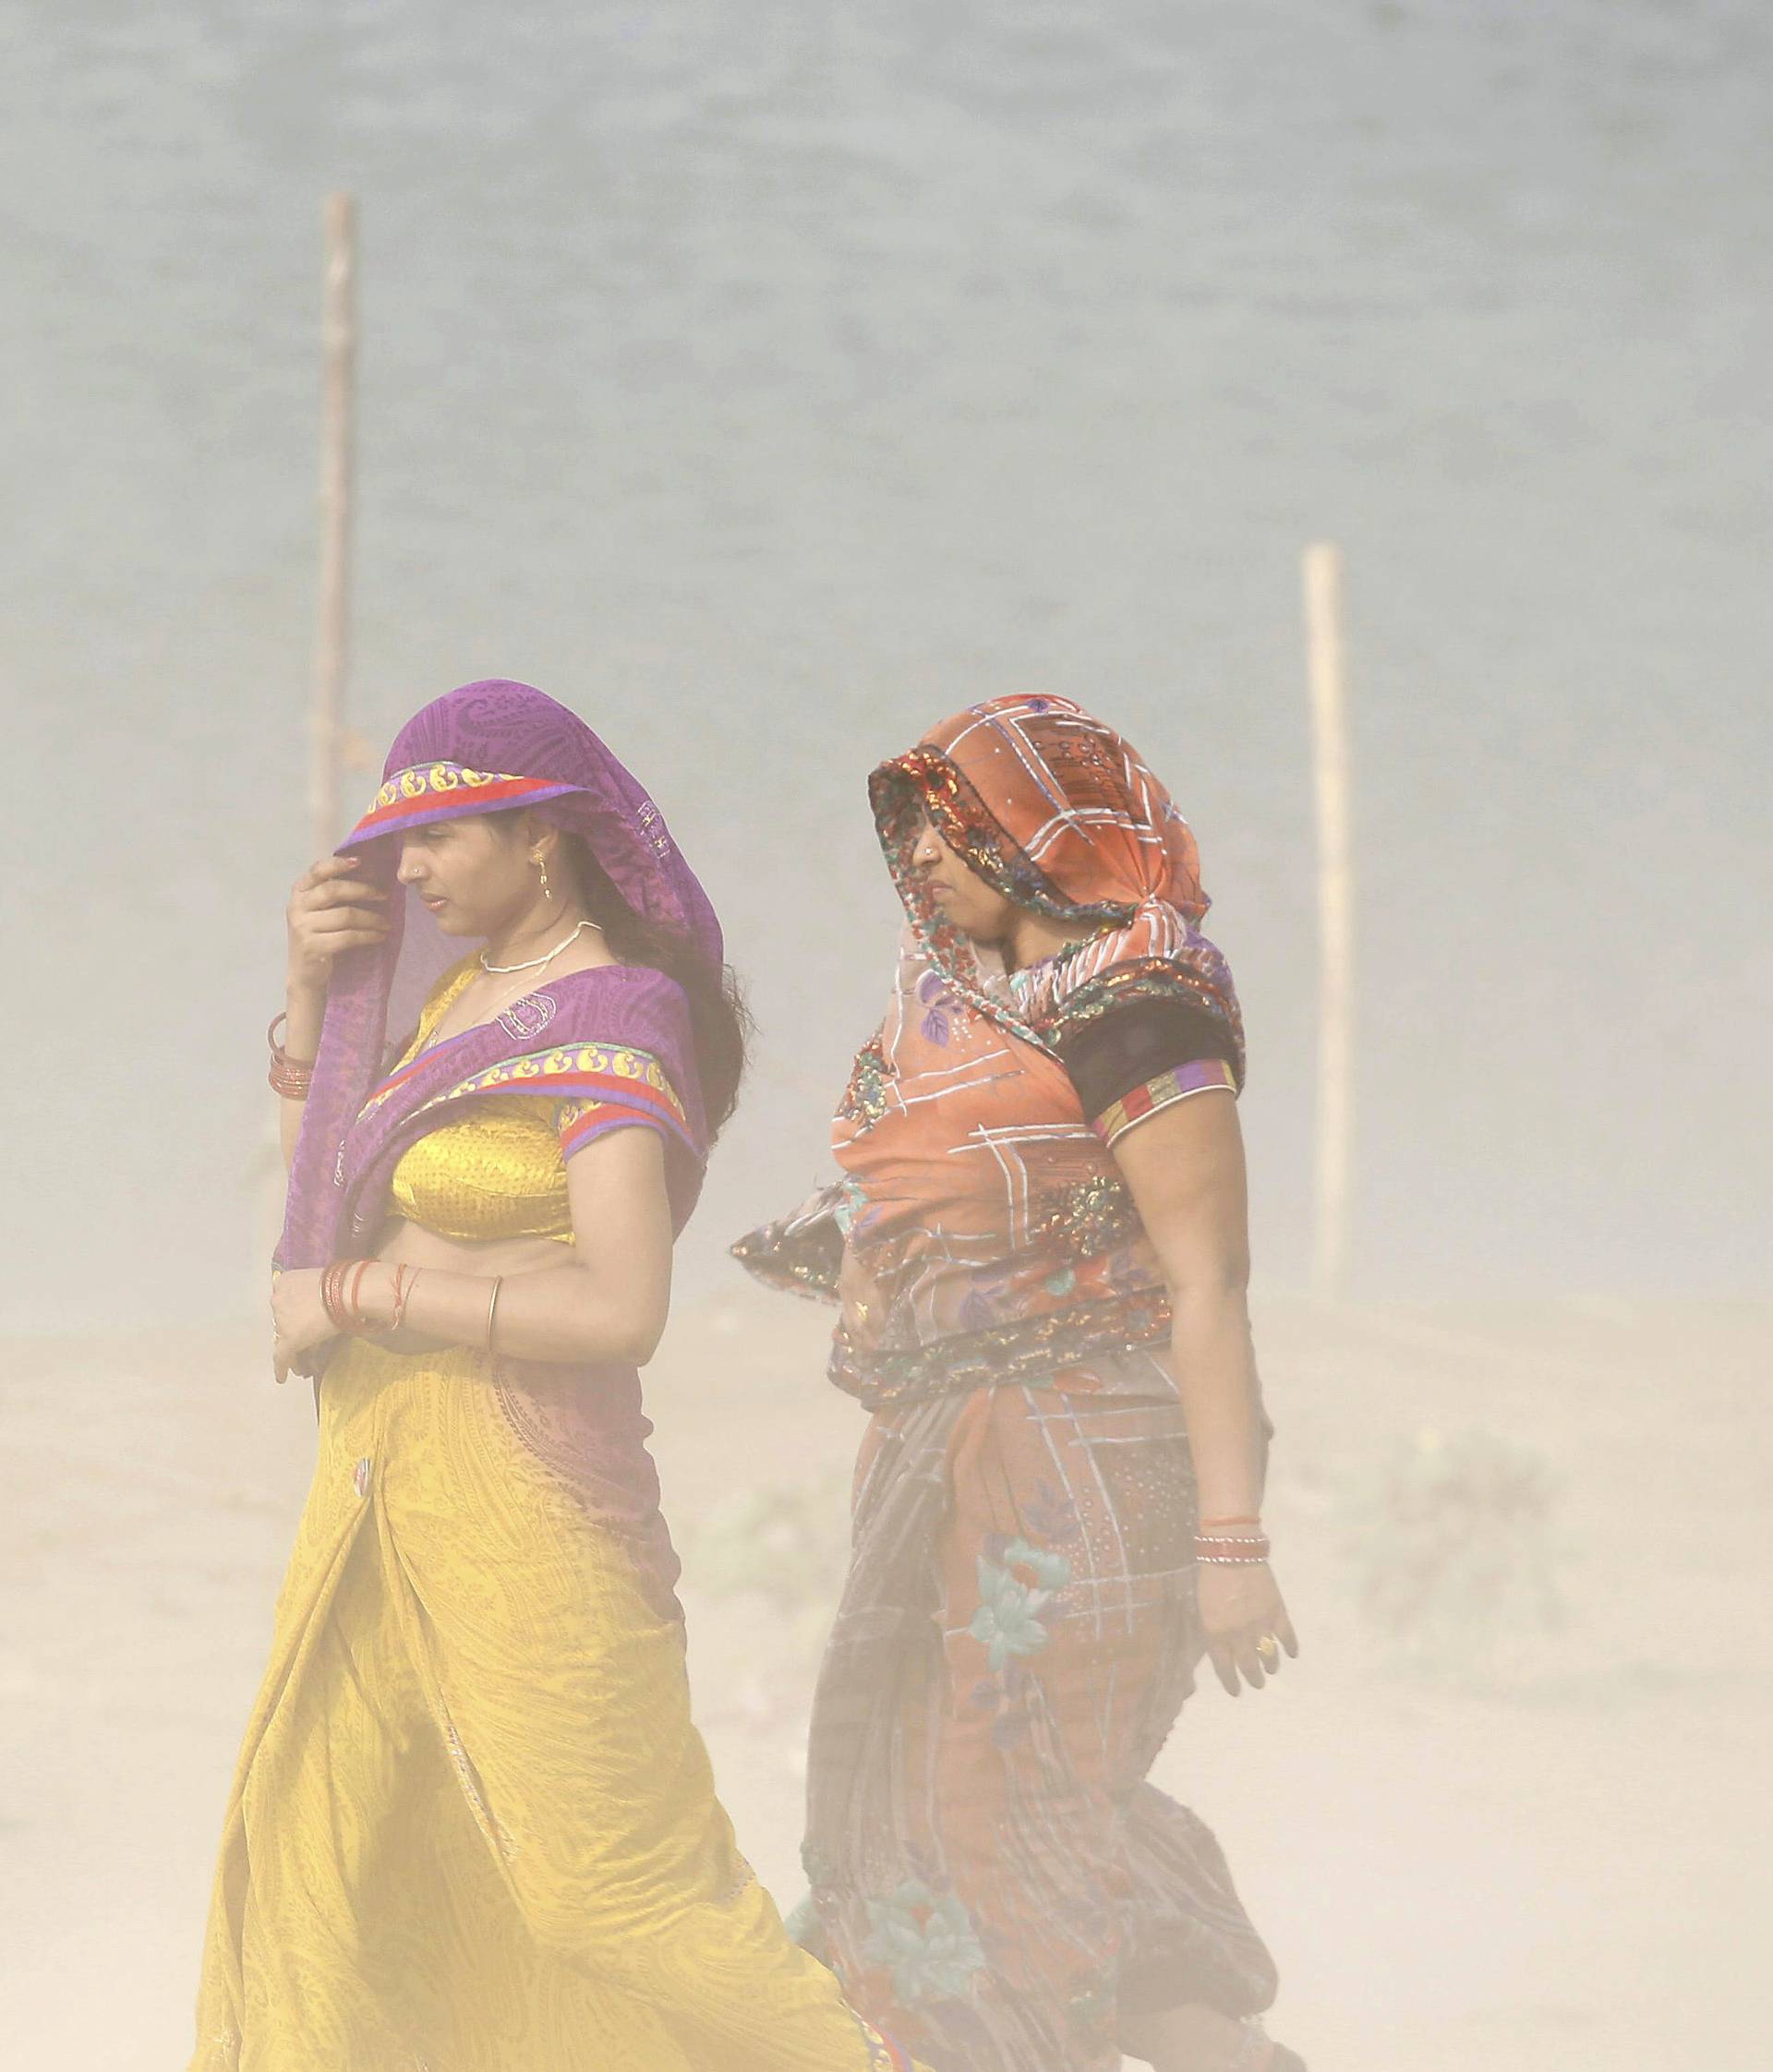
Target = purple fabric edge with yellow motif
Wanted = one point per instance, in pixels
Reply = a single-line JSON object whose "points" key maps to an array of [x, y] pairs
{"points": [[441, 791], [608, 1086]]}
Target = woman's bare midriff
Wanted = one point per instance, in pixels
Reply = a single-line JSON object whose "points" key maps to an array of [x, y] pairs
{"points": [[408, 1244]]}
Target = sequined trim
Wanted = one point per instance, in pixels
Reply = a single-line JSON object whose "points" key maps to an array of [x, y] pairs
{"points": [[1017, 1350], [1089, 1218], [927, 780], [1057, 1010], [803, 1253], [1206, 1075], [865, 1099]]}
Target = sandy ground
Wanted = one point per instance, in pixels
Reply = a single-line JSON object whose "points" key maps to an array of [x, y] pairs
{"points": [[1509, 1845]]}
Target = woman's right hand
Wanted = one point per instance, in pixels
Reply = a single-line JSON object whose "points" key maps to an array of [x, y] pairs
{"points": [[330, 912]]}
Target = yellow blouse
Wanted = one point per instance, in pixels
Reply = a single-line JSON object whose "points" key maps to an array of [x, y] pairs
{"points": [[498, 1172]]}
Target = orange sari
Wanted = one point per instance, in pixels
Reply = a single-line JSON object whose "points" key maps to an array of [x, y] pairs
{"points": [[990, 1870]]}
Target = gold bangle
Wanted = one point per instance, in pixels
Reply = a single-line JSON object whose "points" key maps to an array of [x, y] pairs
{"points": [[492, 1306], [405, 1281]]}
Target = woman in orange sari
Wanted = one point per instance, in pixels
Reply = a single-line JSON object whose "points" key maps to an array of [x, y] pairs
{"points": [[1040, 1250]]}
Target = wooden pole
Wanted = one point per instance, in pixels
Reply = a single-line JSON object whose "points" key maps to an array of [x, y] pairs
{"points": [[1335, 1132], [338, 344]]}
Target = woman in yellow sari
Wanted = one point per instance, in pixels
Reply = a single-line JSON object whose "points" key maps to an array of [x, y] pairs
{"points": [[473, 1829]]}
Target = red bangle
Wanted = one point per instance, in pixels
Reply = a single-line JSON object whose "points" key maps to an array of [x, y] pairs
{"points": [[332, 1295], [359, 1323], [288, 1079], [1243, 1518]]}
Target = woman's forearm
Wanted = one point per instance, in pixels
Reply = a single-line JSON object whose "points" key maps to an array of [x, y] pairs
{"points": [[555, 1313], [304, 1010], [1222, 1402]]}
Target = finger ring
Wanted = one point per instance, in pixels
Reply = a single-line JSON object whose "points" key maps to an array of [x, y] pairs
{"points": [[1269, 1649]]}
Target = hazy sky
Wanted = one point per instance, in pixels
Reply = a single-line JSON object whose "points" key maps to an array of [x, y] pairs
{"points": [[767, 381]]}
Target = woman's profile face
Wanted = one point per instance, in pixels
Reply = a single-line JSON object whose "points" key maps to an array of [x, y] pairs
{"points": [[473, 874], [961, 896]]}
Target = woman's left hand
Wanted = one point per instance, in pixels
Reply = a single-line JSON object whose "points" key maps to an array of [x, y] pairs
{"points": [[299, 1317], [1244, 1621]]}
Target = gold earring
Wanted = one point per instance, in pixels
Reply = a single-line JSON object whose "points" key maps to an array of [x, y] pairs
{"points": [[541, 864]]}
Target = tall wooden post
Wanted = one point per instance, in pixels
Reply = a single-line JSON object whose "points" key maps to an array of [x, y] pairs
{"points": [[1335, 1121], [339, 345]]}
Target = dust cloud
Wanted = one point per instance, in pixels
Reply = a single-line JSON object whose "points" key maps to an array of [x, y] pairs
{"points": [[766, 380]]}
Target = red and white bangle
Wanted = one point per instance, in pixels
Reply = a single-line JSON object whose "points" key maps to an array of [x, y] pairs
{"points": [[288, 1077], [1233, 1549]]}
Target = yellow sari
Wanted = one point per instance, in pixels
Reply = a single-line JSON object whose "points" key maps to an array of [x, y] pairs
{"points": [[473, 1827]]}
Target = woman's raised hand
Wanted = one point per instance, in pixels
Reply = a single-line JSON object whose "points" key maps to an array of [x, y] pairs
{"points": [[328, 912], [1244, 1622]]}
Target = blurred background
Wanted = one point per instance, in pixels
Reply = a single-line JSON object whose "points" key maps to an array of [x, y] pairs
{"points": [[766, 380]]}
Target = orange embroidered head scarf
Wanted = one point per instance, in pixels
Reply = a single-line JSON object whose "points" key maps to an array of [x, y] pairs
{"points": [[1056, 811], [989, 1235]]}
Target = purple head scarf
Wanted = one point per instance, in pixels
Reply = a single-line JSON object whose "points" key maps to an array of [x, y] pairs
{"points": [[488, 747]]}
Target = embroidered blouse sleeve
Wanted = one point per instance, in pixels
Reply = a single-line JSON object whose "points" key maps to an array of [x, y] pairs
{"points": [[1142, 1057], [619, 1087]]}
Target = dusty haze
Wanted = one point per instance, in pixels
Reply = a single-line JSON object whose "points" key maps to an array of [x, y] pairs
{"points": [[766, 380], [768, 384]]}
